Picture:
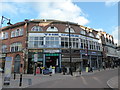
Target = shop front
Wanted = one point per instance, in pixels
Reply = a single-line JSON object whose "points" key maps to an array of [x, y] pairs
{"points": [[93, 59], [75, 59], [52, 58], [35, 59]]}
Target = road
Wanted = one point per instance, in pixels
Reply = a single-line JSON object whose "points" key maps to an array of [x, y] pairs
{"points": [[96, 80]]}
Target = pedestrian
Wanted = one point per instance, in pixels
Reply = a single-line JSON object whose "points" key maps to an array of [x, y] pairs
{"points": [[80, 71], [64, 70], [50, 70], [103, 65]]}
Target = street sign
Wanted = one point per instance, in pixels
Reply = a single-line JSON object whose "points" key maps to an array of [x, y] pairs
{"points": [[8, 65]]}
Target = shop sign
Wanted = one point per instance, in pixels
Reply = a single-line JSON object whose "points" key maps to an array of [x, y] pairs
{"points": [[93, 53], [36, 50], [52, 51], [3, 55], [72, 35], [51, 54], [8, 65], [51, 34]]}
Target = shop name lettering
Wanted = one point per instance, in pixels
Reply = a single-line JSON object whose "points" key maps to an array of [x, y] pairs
{"points": [[55, 34], [70, 35], [51, 34]]}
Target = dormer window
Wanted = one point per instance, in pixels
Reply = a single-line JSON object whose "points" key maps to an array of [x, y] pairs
{"points": [[97, 36], [36, 28], [52, 29], [91, 35], [83, 32], [71, 30]]}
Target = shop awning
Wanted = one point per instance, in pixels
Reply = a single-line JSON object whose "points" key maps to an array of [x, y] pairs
{"points": [[73, 59], [112, 55]]}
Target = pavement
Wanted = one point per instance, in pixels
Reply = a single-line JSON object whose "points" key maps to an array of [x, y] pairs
{"points": [[113, 82], [30, 79]]}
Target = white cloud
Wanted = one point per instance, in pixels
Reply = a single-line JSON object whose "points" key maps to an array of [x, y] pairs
{"points": [[99, 29], [111, 2], [115, 34], [66, 11]]}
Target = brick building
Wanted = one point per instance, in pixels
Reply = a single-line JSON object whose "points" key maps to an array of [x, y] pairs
{"points": [[45, 43], [109, 49]]}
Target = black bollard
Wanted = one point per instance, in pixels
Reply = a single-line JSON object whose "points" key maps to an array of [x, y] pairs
{"points": [[20, 84], [14, 75]]}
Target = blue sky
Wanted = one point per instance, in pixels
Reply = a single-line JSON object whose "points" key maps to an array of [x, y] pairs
{"points": [[98, 15]]}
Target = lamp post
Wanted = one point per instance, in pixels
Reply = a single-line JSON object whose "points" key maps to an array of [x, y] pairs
{"points": [[70, 50], [2, 21], [89, 62]]}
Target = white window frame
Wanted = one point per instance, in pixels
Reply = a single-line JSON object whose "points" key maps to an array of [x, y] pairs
{"points": [[52, 29], [36, 28], [71, 30], [91, 35]]}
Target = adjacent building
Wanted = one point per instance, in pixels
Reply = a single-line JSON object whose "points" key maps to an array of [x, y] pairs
{"points": [[45, 43], [109, 49]]}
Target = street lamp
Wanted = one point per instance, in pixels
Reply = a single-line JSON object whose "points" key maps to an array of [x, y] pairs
{"points": [[2, 21], [70, 50], [89, 62]]}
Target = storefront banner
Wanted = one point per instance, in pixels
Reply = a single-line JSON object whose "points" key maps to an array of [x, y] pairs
{"points": [[8, 65]]}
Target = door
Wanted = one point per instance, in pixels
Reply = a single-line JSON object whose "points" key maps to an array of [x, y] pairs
{"points": [[17, 64]]}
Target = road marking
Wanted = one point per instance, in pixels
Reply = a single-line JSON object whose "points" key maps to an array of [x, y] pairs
{"points": [[84, 81], [95, 78]]}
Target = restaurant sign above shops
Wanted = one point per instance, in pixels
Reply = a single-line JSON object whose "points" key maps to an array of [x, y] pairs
{"points": [[35, 50], [51, 51]]}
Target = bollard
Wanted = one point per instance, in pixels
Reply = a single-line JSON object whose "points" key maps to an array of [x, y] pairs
{"points": [[20, 84], [14, 75], [29, 82]]}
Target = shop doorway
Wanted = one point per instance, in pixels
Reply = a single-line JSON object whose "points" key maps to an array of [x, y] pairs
{"points": [[52, 61], [94, 63], [17, 64], [85, 64], [30, 66]]}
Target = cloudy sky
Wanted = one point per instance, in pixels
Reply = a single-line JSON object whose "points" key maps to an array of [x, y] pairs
{"points": [[98, 15]]}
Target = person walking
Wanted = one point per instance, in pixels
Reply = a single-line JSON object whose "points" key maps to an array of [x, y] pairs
{"points": [[50, 70], [64, 70], [103, 65]]}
